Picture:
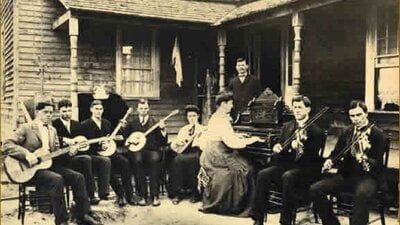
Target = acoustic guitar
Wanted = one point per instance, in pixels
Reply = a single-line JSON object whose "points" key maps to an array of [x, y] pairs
{"points": [[20, 172], [137, 140]]}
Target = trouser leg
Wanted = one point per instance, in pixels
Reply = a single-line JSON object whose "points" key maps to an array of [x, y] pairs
{"points": [[364, 190], [53, 184], [264, 180], [318, 193], [83, 164]]}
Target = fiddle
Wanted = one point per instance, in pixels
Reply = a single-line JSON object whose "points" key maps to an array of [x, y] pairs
{"points": [[358, 148]]}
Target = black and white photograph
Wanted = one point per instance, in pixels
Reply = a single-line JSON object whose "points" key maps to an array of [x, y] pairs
{"points": [[199, 112]]}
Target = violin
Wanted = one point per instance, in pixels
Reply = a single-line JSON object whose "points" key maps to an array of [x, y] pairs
{"points": [[358, 147]]}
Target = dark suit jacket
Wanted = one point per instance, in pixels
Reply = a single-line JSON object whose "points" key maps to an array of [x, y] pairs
{"points": [[63, 132], [154, 140], [349, 166], [310, 158], [90, 130], [26, 139], [244, 92]]}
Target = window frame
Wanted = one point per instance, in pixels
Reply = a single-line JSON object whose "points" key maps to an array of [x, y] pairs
{"points": [[155, 65]]}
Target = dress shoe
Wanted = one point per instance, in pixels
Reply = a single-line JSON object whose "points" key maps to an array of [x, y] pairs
{"points": [[176, 201], [88, 220], [121, 201], [142, 202], [156, 202], [131, 201], [258, 222], [104, 197], [94, 201], [195, 198], [94, 216]]}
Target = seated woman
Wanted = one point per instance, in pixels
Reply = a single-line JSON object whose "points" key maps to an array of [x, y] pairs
{"points": [[226, 177], [186, 165]]}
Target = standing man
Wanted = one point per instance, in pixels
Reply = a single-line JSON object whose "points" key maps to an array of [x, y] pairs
{"points": [[245, 87], [150, 156], [297, 163], [359, 171], [186, 164], [67, 129], [40, 135], [96, 127]]}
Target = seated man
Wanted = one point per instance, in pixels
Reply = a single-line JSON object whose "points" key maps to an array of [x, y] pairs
{"points": [[38, 136], [296, 162], [359, 171], [186, 165], [96, 127], [67, 129], [150, 156]]}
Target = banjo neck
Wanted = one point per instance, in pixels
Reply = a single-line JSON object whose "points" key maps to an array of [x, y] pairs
{"points": [[151, 129]]}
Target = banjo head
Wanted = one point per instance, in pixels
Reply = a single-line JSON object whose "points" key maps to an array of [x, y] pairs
{"points": [[136, 141]]}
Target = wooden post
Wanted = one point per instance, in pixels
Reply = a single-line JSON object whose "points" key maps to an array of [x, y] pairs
{"points": [[297, 24], [73, 39], [207, 110], [221, 48], [370, 52]]}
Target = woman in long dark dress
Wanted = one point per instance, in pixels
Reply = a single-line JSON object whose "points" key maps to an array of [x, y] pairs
{"points": [[227, 178]]}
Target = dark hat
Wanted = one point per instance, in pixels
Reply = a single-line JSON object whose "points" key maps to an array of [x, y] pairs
{"points": [[192, 108], [43, 100]]}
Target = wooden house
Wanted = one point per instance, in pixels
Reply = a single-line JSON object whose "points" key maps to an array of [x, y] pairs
{"points": [[330, 50]]}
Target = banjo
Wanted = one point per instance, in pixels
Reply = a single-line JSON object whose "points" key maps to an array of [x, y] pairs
{"points": [[108, 141], [137, 140]]}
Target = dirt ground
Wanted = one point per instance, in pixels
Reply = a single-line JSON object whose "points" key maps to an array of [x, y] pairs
{"points": [[185, 213]]}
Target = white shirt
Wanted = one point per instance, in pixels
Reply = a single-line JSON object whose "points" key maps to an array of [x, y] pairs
{"points": [[44, 135], [242, 78], [143, 120]]}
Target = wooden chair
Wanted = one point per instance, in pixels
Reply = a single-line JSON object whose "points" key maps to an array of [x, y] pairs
{"points": [[29, 196], [342, 201]]}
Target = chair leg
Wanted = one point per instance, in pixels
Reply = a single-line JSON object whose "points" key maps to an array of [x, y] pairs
{"points": [[314, 213], [294, 215], [382, 214]]}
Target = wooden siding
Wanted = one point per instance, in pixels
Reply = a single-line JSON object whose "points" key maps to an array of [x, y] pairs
{"points": [[7, 66]]}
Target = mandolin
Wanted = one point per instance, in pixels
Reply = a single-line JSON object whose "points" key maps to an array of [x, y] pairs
{"points": [[137, 140]]}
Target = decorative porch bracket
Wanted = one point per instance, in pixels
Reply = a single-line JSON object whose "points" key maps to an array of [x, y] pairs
{"points": [[221, 47], [297, 24], [61, 20]]}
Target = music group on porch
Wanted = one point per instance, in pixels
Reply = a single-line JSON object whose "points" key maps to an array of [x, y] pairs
{"points": [[207, 165]]}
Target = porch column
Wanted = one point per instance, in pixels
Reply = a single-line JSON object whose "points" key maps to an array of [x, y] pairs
{"points": [[73, 39], [297, 24], [221, 48]]}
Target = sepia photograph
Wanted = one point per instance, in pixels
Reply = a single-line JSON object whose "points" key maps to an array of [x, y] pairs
{"points": [[199, 112]]}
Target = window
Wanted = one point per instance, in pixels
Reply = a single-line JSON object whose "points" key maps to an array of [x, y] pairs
{"points": [[137, 64], [387, 59]]}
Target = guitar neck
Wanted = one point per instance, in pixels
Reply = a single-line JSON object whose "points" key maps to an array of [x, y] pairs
{"points": [[96, 140], [55, 153]]}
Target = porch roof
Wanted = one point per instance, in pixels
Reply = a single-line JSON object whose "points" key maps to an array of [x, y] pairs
{"points": [[179, 10], [252, 8]]}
